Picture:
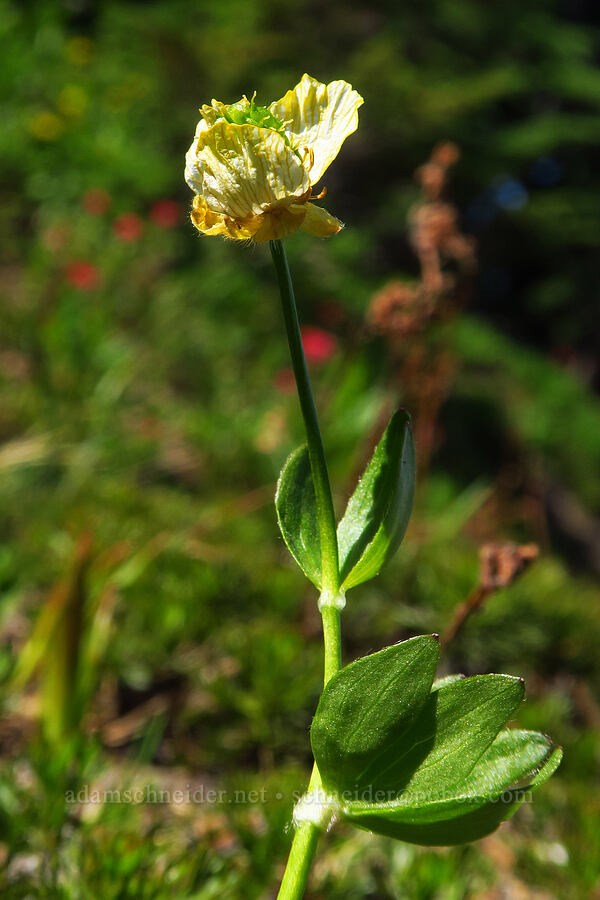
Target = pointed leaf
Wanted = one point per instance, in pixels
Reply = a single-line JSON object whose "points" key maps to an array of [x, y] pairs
{"points": [[297, 514], [512, 761], [515, 759], [548, 769], [461, 829], [378, 511], [468, 817], [368, 708], [447, 679], [454, 729]]}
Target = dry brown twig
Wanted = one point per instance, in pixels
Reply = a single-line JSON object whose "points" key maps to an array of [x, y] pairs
{"points": [[401, 311], [500, 565]]}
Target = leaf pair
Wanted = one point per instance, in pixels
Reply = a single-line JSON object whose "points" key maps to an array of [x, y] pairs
{"points": [[376, 516], [422, 762]]}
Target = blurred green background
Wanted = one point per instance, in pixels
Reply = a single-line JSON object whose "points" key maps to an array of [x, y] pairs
{"points": [[154, 630]]}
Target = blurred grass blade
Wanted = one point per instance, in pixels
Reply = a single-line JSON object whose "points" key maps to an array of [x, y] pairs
{"points": [[54, 648]]}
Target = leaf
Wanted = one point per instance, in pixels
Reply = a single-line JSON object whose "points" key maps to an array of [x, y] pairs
{"points": [[297, 514], [369, 707], [461, 829], [488, 799], [453, 775], [548, 769], [447, 679], [378, 511], [513, 760], [454, 729], [515, 756]]}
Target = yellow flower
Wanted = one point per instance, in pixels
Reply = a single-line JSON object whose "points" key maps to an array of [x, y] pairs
{"points": [[72, 100], [46, 126], [252, 168]]}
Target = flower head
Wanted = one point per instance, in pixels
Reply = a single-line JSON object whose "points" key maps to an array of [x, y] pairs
{"points": [[252, 168], [82, 274], [165, 213], [319, 345], [128, 227]]}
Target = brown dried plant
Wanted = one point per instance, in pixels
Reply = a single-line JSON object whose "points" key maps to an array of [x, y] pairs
{"points": [[401, 312]]}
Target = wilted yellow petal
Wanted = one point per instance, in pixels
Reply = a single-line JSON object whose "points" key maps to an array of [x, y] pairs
{"points": [[242, 170], [211, 223], [252, 167], [319, 222], [319, 117], [281, 221], [193, 174], [206, 221], [213, 112], [275, 224]]}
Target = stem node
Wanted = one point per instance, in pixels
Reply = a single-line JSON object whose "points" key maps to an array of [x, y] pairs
{"points": [[336, 600], [317, 807]]}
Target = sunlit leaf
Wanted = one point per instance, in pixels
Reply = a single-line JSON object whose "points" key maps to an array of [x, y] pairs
{"points": [[379, 509], [367, 709], [297, 514], [488, 797]]}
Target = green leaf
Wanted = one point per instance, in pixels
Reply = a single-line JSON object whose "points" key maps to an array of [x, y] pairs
{"points": [[297, 514], [458, 829], [453, 775], [367, 709], [378, 511], [425, 762], [548, 769], [447, 679], [454, 728], [488, 797], [513, 760], [514, 757]]}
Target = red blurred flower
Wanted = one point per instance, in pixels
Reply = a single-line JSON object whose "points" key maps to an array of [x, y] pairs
{"points": [[128, 227], [97, 201], [82, 274], [165, 213], [319, 345]]}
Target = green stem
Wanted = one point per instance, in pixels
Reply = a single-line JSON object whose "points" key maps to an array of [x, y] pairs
{"points": [[299, 862], [307, 834], [332, 638], [318, 465]]}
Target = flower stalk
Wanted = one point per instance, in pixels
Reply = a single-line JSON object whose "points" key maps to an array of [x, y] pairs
{"points": [[306, 836], [316, 452], [302, 853]]}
